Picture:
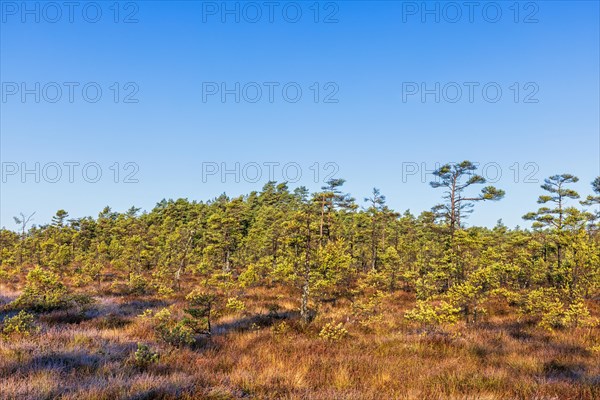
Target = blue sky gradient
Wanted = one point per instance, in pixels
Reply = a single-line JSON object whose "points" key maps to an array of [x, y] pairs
{"points": [[367, 57]]}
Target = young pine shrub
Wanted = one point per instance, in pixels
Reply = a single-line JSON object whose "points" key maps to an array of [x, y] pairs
{"points": [[368, 311], [86, 273], [280, 329], [5, 274], [369, 294], [254, 273], [553, 316], [199, 311], [433, 314], [43, 291], [165, 291], [144, 357], [137, 284], [21, 324], [169, 329], [235, 305], [578, 315], [546, 304], [332, 332]]}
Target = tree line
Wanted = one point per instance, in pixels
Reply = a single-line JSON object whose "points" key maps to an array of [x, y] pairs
{"points": [[327, 247]]}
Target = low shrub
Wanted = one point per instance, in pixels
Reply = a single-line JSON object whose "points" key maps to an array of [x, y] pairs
{"points": [[169, 329], [43, 291], [143, 356], [137, 284], [332, 332], [280, 328], [199, 311], [21, 324], [235, 304]]}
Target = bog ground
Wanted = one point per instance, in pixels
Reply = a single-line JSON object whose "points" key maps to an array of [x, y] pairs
{"points": [[265, 351]]}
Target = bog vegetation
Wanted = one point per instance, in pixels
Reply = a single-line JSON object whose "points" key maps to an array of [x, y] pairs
{"points": [[289, 294]]}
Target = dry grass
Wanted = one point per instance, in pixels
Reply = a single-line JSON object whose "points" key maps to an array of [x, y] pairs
{"points": [[90, 356]]}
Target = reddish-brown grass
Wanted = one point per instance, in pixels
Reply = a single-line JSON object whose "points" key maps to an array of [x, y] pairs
{"points": [[92, 356]]}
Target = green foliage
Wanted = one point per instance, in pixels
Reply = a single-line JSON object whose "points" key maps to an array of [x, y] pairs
{"points": [[372, 281], [560, 216], [175, 332], [178, 335], [325, 248], [332, 332], [455, 178], [20, 324], [432, 314], [578, 315], [393, 269], [252, 274], [143, 356], [553, 312], [280, 329], [367, 310], [199, 310], [333, 269], [87, 273], [137, 284], [468, 298], [43, 291], [235, 304]]}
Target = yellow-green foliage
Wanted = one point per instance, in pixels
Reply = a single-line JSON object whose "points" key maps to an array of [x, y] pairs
{"points": [[137, 284], [428, 313], [332, 332], [164, 290], [547, 304], [254, 272], [368, 310], [174, 332], [280, 328], [199, 310], [333, 267], [578, 315], [143, 356], [235, 304], [43, 291], [20, 324]]}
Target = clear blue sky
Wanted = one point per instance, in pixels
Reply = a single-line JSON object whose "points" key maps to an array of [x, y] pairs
{"points": [[369, 57]]}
